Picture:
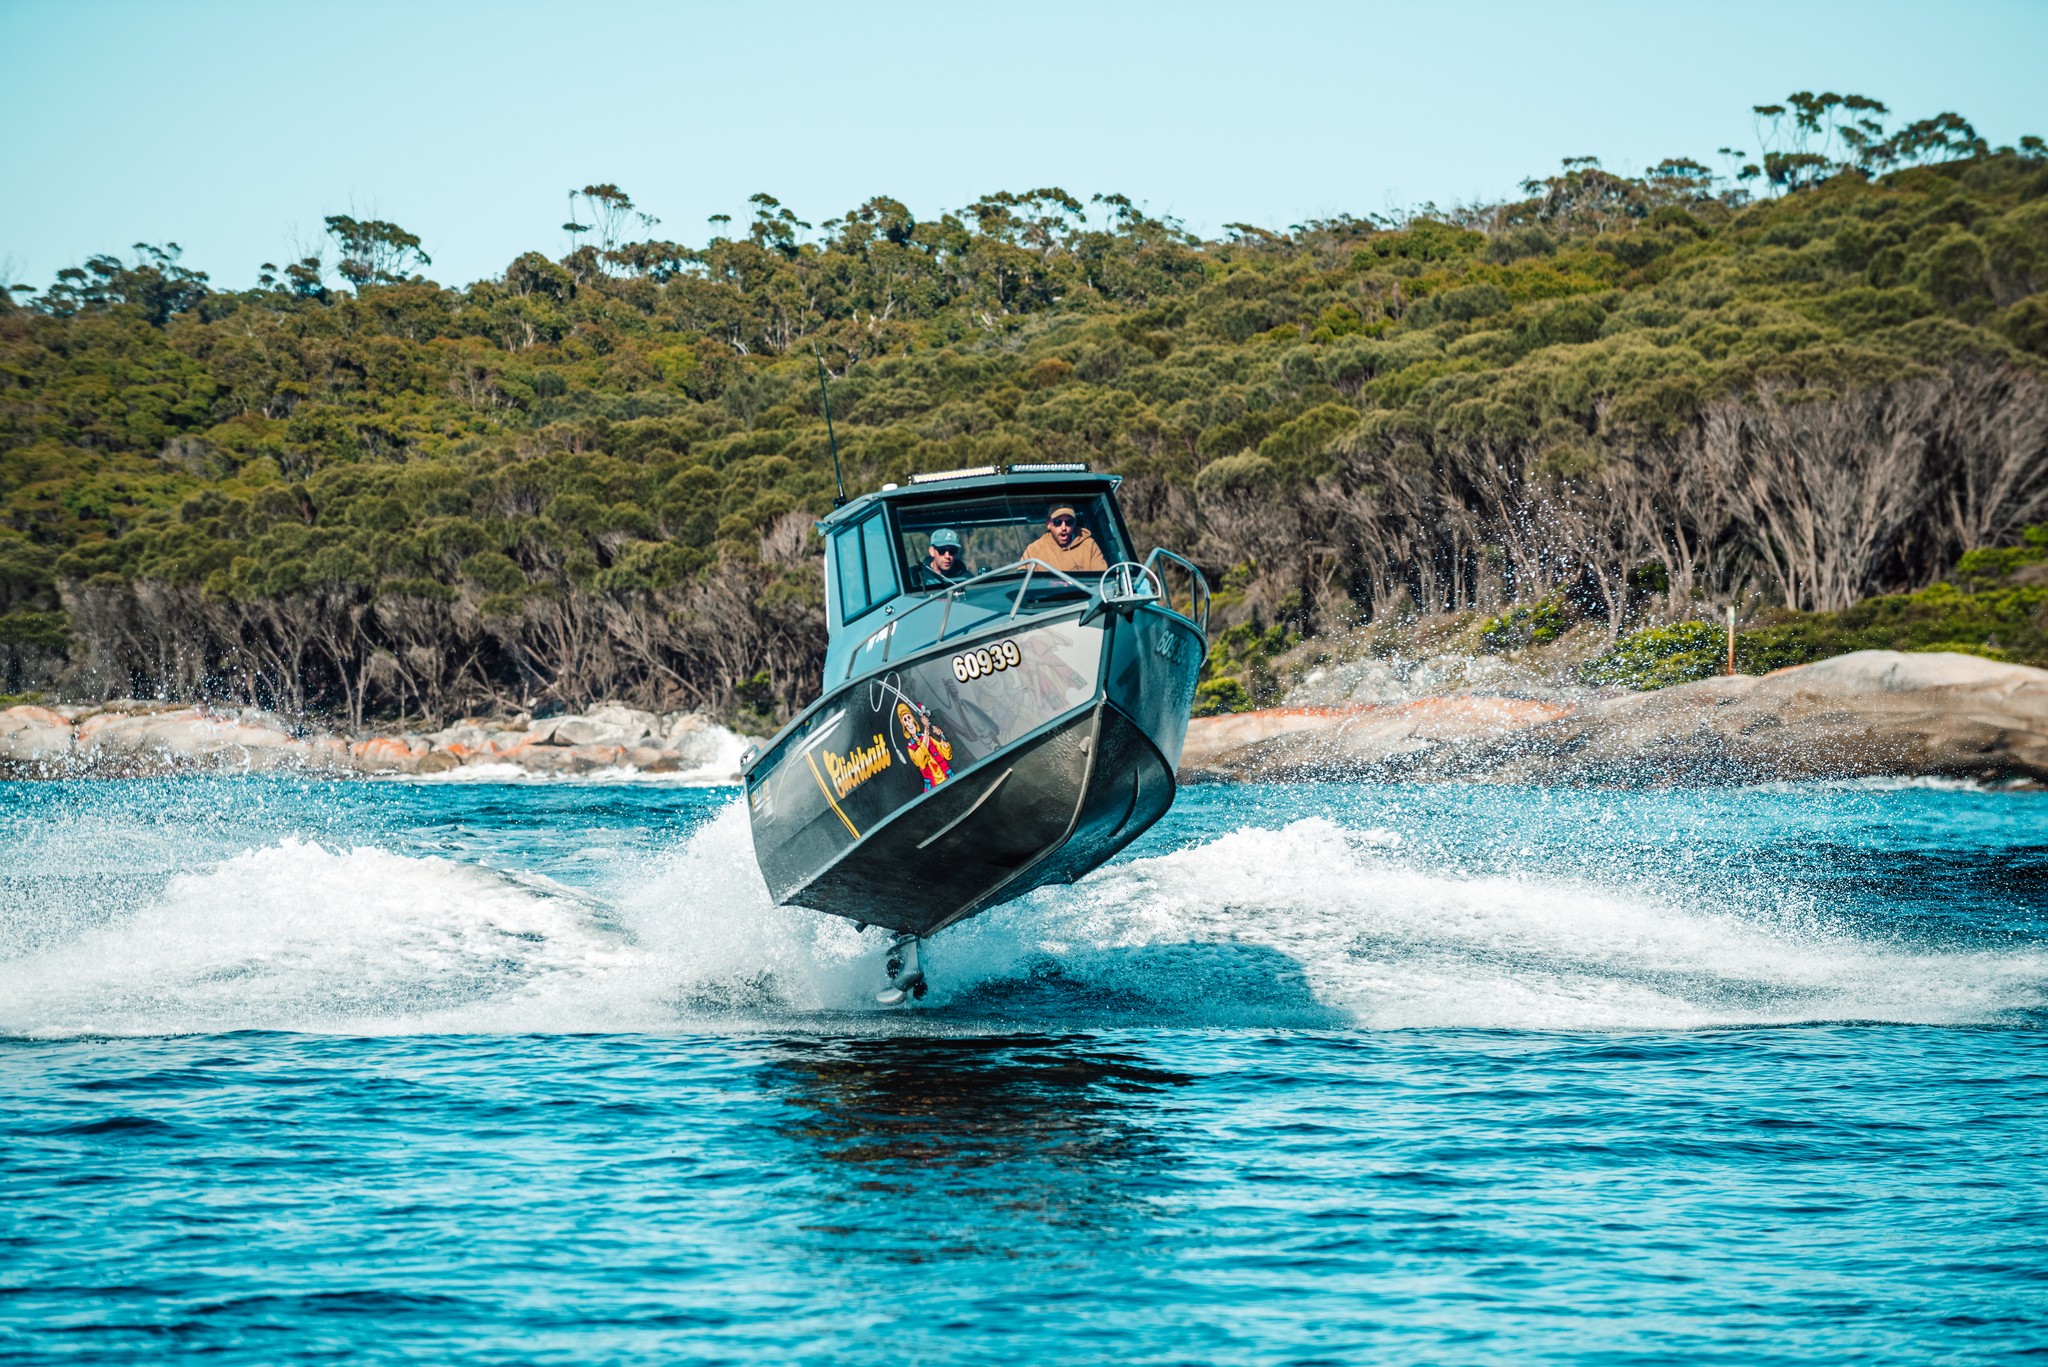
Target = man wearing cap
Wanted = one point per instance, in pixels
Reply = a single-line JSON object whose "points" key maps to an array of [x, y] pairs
{"points": [[1066, 544], [944, 561]]}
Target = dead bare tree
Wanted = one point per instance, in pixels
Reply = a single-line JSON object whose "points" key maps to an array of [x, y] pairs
{"points": [[1990, 447], [1824, 489]]}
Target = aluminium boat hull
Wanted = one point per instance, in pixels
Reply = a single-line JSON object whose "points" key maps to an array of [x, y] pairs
{"points": [[1002, 760]]}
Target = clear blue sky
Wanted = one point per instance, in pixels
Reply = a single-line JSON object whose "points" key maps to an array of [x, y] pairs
{"points": [[234, 128]]}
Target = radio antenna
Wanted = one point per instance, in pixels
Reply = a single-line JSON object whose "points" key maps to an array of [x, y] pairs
{"points": [[826, 395]]}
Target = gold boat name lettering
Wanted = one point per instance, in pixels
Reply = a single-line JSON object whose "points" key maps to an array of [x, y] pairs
{"points": [[858, 766]]}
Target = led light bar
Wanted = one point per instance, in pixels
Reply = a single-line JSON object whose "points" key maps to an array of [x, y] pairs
{"points": [[937, 475], [1065, 467]]}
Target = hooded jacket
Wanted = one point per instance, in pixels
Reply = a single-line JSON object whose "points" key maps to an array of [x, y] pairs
{"points": [[1082, 553]]}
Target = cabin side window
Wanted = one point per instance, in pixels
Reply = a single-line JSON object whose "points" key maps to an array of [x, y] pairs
{"points": [[866, 567]]}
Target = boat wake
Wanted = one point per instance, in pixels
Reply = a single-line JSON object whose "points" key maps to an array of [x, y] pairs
{"points": [[1310, 924]]}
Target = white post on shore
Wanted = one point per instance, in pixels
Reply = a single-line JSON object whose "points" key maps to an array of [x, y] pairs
{"points": [[1731, 641]]}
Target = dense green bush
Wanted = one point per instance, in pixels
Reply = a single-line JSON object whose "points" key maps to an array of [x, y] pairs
{"points": [[2000, 620], [1214, 697], [2001, 623], [1994, 565], [1238, 674], [594, 475], [1525, 624], [1657, 657]]}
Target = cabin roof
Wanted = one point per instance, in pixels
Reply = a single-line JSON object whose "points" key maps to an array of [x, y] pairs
{"points": [[951, 484]]}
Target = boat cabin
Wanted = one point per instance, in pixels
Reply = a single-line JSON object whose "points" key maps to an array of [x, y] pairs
{"points": [[884, 598]]}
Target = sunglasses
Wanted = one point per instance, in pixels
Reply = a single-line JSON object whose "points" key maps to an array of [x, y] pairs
{"points": [[945, 550], [1060, 522]]}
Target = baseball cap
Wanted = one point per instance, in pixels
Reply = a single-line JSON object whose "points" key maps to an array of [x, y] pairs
{"points": [[946, 536]]}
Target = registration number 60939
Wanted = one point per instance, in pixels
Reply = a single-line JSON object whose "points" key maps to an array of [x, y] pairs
{"points": [[987, 660]]}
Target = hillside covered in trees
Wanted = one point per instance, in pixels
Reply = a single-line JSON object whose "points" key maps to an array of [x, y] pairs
{"points": [[1624, 399]]}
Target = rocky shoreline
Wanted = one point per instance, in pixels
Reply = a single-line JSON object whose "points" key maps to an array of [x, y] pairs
{"points": [[130, 739], [1870, 714]]}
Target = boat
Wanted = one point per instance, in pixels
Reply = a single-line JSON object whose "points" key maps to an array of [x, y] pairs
{"points": [[980, 732]]}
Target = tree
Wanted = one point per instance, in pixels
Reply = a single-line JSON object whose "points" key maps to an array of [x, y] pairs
{"points": [[154, 283], [774, 227], [609, 210], [374, 252], [1812, 138]]}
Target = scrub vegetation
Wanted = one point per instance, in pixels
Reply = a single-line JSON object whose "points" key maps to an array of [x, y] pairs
{"points": [[1994, 605], [1811, 386]]}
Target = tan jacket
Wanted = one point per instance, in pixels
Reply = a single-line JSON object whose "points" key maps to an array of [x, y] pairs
{"points": [[1080, 554]]}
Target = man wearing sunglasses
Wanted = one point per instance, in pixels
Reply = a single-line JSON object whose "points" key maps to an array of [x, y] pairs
{"points": [[1066, 544], [944, 561]]}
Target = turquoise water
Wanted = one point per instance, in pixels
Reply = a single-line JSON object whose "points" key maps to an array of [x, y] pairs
{"points": [[532, 1073]]}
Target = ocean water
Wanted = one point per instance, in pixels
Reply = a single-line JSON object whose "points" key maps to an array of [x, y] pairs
{"points": [[494, 1073]]}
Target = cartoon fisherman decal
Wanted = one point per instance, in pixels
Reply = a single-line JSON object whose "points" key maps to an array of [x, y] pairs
{"points": [[930, 751]]}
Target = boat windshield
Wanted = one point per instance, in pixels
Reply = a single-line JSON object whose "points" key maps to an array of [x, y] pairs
{"points": [[995, 530]]}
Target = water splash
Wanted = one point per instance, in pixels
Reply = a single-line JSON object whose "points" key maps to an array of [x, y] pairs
{"points": [[300, 937], [1308, 923], [1385, 943]]}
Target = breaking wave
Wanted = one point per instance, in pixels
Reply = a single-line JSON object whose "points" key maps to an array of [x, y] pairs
{"points": [[1309, 924]]}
